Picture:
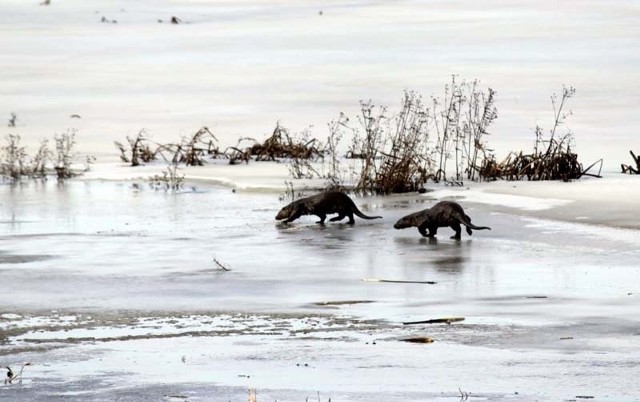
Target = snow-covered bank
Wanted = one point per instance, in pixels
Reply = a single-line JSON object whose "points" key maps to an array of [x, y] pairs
{"points": [[238, 67], [611, 200]]}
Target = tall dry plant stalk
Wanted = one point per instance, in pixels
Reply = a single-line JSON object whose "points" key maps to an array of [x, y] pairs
{"points": [[403, 167], [64, 147], [335, 176], [13, 158], [367, 146], [481, 113]]}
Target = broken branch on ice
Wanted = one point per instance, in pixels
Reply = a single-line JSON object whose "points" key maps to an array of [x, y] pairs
{"points": [[446, 320], [393, 281]]}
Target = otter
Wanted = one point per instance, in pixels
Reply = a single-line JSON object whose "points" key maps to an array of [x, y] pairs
{"points": [[443, 214], [330, 202]]}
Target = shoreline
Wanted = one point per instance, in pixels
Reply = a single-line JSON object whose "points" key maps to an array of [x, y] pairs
{"points": [[608, 201]]}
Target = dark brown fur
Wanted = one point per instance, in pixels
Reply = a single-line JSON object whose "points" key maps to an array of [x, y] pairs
{"points": [[443, 214], [321, 205]]}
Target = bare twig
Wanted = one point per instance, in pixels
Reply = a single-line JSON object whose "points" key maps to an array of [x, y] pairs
{"points": [[220, 266], [393, 281]]}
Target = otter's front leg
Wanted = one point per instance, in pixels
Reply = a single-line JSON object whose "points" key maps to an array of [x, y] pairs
{"points": [[422, 228], [295, 214], [432, 230], [322, 218]]}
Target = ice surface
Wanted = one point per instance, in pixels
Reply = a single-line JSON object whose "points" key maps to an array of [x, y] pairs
{"points": [[130, 300]]}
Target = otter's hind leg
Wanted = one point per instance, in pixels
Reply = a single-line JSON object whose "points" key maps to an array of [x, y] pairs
{"points": [[337, 218], [458, 229], [469, 231], [351, 220]]}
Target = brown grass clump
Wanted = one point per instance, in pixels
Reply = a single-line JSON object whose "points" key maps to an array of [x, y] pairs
{"points": [[139, 149], [193, 150], [282, 145], [238, 154]]}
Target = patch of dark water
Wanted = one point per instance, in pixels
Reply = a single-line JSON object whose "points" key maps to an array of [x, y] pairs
{"points": [[23, 259]]}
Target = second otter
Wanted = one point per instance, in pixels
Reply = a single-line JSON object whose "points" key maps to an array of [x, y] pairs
{"points": [[443, 214]]}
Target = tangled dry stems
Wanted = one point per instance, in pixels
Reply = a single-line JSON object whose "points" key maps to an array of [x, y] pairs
{"points": [[281, 144], [400, 153], [630, 169], [551, 159]]}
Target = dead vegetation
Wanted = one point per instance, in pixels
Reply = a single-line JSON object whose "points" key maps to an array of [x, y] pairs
{"points": [[220, 266], [64, 146], [13, 377], [202, 146], [281, 144], [12, 120], [630, 169], [446, 142], [138, 151], [192, 151], [16, 164], [301, 151], [552, 158], [169, 179], [442, 141]]}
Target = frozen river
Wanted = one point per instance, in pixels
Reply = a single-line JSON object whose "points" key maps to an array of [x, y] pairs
{"points": [[110, 290]]}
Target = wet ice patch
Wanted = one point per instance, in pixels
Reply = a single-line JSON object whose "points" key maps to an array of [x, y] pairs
{"points": [[22, 258], [506, 200], [588, 230]]}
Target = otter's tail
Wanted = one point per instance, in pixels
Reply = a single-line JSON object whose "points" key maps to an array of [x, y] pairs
{"points": [[358, 213], [469, 225]]}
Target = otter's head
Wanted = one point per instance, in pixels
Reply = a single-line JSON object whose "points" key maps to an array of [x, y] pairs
{"points": [[415, 219], [288, 211], [403, 223], [284, 213]]}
